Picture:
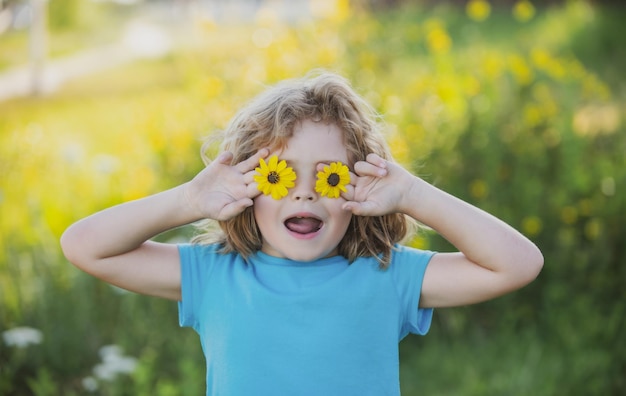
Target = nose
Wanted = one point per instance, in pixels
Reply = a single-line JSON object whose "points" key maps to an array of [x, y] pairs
{"points": [[304, 190]]}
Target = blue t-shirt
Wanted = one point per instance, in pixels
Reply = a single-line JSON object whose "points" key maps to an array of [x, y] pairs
{"points": [[272, 326]]}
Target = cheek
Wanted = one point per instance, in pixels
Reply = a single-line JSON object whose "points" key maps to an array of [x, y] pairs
{"points": [[265, 208], [341, 216], [266, 201]]}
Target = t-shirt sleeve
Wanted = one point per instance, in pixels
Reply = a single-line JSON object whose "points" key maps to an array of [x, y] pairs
{"points": [[195, 268], [408, 267]]}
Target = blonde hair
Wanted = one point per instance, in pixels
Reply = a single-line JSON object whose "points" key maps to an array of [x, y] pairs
{"points": [[269, 121]]}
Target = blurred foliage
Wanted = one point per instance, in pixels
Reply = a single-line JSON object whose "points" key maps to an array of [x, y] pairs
{"points": [[72, 26], [518, 110], [63, 14]]}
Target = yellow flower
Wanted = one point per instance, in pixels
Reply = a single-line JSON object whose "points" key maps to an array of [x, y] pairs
{"points": [[332, 180], [532, 225], [439, 41], [478, 10], [523, 10], [274, 177]]}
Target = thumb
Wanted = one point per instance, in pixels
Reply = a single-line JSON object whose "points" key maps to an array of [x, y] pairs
{"points": [[234, 208], [359, 208]]}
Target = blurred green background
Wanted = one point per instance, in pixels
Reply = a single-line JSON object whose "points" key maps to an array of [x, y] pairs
{"points": [[515, 106]]}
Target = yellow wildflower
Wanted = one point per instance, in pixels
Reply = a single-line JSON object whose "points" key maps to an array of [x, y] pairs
{"points": [[274, 177], [523, 10], [478, 10], [332, 180]]}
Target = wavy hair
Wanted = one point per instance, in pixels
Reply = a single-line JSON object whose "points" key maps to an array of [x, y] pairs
{"points": [[269, 121]]}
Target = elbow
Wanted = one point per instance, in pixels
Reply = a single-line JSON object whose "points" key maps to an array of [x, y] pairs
{"points": [[67, 243], [71, 243], [531, 266], [536, 262]]}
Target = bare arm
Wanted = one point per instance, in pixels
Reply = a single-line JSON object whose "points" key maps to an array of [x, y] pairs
{"points": [[114, 244], [493, 258]]}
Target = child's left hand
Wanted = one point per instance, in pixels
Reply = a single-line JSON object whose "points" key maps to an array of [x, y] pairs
{"points": [[378, 187]]}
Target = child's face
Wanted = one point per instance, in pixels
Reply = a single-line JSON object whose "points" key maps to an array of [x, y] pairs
{"points": [[305, 226]]}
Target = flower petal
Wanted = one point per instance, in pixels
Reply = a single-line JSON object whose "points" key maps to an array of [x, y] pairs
{"points": [[286, 177], [273, 162], [324, 188]]}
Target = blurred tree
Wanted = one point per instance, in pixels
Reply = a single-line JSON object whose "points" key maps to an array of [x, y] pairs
{"points": [[38, 45], [63, 14]]}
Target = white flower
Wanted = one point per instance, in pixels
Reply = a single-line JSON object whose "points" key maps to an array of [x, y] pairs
{"points": [[90, 384], [21, 337], [109, 351], [104, 372], [113, 363]]}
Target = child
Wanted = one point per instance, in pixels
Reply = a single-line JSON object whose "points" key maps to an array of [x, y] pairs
{"points": [[305, 289]]}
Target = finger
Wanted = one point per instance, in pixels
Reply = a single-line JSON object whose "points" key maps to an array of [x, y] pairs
{"points": [[360, 208], [363, 168], [248, 177], [353, 178], [252, 190], [234, 208], [377, 160], [349, 194], [251, 184], [224, 158], [252, 162], [353, 181], [354, 207]]}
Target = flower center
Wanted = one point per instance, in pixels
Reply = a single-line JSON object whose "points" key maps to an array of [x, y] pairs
{"points": [[333, 179], [273, 177]]}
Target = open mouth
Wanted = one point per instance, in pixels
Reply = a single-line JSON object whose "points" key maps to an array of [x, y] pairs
{"points": [[303, 225]]}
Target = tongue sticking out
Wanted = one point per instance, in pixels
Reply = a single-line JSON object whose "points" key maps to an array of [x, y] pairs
{"points": [[303, 225]]}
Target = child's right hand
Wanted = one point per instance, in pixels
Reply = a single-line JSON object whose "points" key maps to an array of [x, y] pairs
{"points": [[221, 190]]}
